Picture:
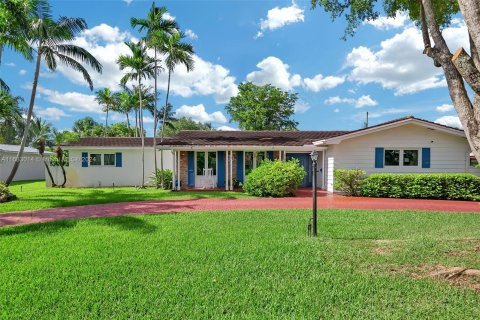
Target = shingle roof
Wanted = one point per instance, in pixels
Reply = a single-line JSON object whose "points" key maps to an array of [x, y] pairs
{"points": [[248, 138], [109, 142]]}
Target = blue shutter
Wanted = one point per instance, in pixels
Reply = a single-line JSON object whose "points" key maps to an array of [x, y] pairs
{"points": [[378, 157], [221, 169], [118, 159], [270, 155], [84, 159], [425, 157], [240, 166], [191, 169]]}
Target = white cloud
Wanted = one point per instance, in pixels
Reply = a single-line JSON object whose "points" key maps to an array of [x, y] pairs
{"points": [[445, 108], [319, 82], [22, 72], [399, 64], [280, 17], [199, 114], [206, 79], [192, 35], [51, 113], [336, 110], [363, 101], [168, 16], [10, 64], [451, 121], [74, 101], [301, 106], [273, 71], [386, 23], [227, 128], [127, 2]]}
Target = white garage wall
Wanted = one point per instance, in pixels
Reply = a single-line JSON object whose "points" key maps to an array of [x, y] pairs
{"points": [[95, 176], [31, 167], [449, 153]]}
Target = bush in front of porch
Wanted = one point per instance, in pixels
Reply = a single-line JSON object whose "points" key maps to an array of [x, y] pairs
{"points": [[275, 179]]}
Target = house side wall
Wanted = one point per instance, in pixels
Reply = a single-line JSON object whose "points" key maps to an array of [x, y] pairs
{"points": [[449, 153], [31, 167], [127, 175]]}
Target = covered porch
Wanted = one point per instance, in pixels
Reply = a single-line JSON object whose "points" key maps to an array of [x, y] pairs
{"points": [[227, 167]]}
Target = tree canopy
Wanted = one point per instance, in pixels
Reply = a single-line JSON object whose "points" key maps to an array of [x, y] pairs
{"points": [[263, 108]]}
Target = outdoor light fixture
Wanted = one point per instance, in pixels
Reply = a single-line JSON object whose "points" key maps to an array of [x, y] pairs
{"points": [[314, 156]]}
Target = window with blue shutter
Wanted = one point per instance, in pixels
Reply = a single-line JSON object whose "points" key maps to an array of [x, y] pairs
{"points": [[425, 157], [84, 159], [118, 159], [379, 157], [221, 169]]}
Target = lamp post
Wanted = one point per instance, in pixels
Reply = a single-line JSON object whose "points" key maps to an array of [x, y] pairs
{"points": [[314, 156]]}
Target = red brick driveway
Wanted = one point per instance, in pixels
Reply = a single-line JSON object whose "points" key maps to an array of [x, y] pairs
{"points": [[303, 200]]}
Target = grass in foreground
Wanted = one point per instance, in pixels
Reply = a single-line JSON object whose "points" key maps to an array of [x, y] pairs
{"points": [[33, 195], [244, 264]]}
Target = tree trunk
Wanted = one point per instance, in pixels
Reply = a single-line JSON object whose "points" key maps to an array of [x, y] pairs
{"points": [[471, 14], [456, 86], [64, 174], [106, 123], [155, 126], [128, 125], [466, 67], [28, 120], [136, 123], [49, 172], [141, 131], [164, 121]]}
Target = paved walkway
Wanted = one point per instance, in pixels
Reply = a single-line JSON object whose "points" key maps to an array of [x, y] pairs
{"points": [[302, 200]]}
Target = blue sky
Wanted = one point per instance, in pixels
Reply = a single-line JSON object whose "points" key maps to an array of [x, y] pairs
{"points": [[381, 70]]}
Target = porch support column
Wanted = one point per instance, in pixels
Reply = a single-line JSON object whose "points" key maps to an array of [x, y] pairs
{"points": [[226, 169], [174, 155], [231, 170], [179, 174]]}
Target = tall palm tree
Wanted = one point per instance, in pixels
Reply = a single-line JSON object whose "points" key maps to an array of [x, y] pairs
{"points": [[125, 105], [156, 23], [42, 137], [176, 53], [51, 40], [10, 116], [170, 117], [140, 66], [107, 99]]}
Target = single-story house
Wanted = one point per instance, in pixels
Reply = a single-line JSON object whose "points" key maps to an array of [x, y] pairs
{"points": [[223, 159], [208, 159], [31, 164], [104, 162]]}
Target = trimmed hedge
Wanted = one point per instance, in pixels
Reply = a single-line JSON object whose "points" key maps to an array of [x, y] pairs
{"points": [[274, 179], [5, 194], [452, 186], [348, 181]]}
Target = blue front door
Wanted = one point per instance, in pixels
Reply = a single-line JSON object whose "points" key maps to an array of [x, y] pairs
{"points": [[306, 163]]}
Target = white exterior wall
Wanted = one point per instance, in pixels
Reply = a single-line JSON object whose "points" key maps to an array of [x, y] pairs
{"points": [[449, 153], [95, 176], [31, 167]]}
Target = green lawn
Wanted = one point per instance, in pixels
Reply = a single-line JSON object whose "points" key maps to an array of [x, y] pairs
{"points": [[34, 195], [243, 264]]}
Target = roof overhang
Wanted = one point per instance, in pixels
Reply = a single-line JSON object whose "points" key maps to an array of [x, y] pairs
{"points": [[359, 133], [243, 148]]}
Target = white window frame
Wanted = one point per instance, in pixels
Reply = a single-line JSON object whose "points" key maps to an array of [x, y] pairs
{"points": [[400, 159], [206, 162]]}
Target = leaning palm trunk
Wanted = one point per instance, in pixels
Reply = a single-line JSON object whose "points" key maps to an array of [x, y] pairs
{"points": [[128, 125], [106, 123], [155, 127], [41, 150], [141, 131], [163, 123], [59, 152], [27, 121]]}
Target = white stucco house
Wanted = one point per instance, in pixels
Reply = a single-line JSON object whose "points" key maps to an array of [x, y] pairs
{"points": [[220, 159], [31, 165]]}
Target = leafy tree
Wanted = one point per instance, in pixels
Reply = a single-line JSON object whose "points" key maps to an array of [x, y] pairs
{"points": [[107, 99], [119, 129], [431, 16], [184, 123], [156, 24], [140, 66], [52, 45], [85, 127], [10, 117], [262, 108], [170, 117], [126, 104]]}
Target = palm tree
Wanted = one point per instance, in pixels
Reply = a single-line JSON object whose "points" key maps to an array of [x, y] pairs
{"points": [[125, 105], [51, 40], [106, 99], [170, 117], [140, 66], [10, 116], [177, 53], [155, 24], [42, 136]]}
